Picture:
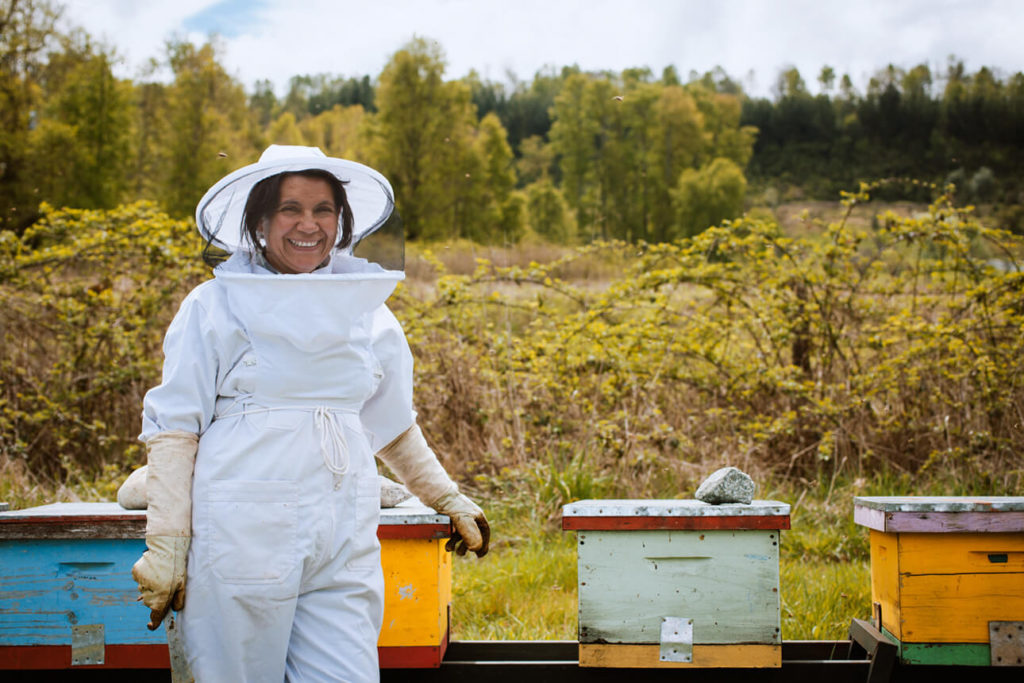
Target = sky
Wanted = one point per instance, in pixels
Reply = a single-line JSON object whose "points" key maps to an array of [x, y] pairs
{"points": [[752, 40]]}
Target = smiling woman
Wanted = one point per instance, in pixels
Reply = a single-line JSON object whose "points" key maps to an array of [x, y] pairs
{"points": [[284, 377], [292, 219]]}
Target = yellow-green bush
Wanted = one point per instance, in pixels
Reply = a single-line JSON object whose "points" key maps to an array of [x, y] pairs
{"points": [[85, 297], [853, 350]]}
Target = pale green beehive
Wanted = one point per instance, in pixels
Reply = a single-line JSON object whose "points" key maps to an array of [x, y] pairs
{"points": [[678, 582]]}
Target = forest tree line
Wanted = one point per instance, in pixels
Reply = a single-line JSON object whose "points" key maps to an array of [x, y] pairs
{"points": [[569, 156]]}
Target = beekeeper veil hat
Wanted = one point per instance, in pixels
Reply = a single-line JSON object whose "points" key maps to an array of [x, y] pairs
{"points": [[220, 212]]}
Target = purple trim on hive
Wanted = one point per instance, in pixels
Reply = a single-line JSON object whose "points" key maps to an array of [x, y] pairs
{"points": [[939, 522]]}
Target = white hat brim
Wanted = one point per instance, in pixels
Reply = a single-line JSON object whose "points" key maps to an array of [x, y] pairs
{"points": [[220, 211]]}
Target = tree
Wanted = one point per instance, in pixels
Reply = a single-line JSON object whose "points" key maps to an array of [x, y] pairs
{"points": [[827, 78], [536, 159], [207, 124], [97, 110], [548, 213], [284, 131], [500, 217], [421, 140], [336, 131], [27, 29], [709, 195], [573, 132]]}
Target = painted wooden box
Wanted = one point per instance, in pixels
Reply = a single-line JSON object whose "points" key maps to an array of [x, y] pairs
{"points": [[947, 577], [67, 598], [678, 583]]}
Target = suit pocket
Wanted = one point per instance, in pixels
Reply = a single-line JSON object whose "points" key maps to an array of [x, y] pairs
{"points": [[252, 530]]}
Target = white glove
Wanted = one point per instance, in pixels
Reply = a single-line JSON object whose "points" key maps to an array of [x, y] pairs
{"points": [[160, 572], [414, 462]]}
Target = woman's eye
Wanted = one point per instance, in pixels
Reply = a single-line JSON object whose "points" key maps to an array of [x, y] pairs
{"points": [[324, 211], [288, 209]]}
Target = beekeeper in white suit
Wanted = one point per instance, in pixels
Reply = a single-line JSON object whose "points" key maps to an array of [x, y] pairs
{"points": [[283, 377]]}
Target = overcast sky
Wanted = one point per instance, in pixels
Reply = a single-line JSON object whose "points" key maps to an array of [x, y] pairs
{"points": [[751, 39]]}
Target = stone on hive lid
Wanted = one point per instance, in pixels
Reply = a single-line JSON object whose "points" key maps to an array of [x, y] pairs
{"points": [[727, 485], [392, 493]]}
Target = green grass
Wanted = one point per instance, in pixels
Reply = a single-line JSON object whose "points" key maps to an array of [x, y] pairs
{"points": [[523, 591], [820, 598]]}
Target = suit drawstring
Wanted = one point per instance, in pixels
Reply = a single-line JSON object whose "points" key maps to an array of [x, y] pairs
{"points": [[333, 445]]}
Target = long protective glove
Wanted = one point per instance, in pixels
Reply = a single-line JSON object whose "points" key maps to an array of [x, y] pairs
{"points": [[414, 462], [160, 572]]}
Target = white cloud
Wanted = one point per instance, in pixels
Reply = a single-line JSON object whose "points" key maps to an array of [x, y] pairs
{"points": [[356, 38]]}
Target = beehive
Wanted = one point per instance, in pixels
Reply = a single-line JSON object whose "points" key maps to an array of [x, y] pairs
{"points": [[678, 583], [947, 576], [67, 598]]}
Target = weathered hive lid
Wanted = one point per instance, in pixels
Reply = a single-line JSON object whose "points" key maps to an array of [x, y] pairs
{"points": [[625, 515], [940, 514], [410, 519]]}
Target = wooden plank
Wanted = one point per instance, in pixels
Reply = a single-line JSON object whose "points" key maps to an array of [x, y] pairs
{"points": [[429, 531], [741, 656], [58, 511], [941, 504], [417, 580], [673, 523], [869, 517], [957, 608], [672, 507], [417, 657], [83, 528], [955, 522], [961, 554], [48, 586], [946, 654], [27, 658], [726, 581], [885, 579]]}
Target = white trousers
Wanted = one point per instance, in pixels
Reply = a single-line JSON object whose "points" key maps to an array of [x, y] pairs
{"points": [[284, 576]]}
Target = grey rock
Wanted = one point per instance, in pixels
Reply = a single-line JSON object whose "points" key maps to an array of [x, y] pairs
{"points": [[132, 494], [392, 493], [727, 485]]}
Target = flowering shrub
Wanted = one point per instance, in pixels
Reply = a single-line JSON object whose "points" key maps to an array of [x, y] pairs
{"points": [[85, 297], [896, 347]]}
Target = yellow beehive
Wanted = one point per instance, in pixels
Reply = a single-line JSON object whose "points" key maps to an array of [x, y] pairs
{"points": [[417, 586], [945, 573]]}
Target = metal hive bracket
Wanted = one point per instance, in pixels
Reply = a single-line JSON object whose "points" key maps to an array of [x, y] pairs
{"points": [[1006, 642], [676, 639]]}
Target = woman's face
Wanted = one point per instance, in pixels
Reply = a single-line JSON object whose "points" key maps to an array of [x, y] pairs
{"points": [[302, 230]]}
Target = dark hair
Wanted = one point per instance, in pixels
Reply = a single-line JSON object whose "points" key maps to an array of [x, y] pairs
{"points": [[265, 195]]}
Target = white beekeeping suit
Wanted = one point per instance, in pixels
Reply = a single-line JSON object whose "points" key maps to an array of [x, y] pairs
{"points": [[281, 388]]}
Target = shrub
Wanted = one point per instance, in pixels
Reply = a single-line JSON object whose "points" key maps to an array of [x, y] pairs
{"points": [[85, 297]]}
